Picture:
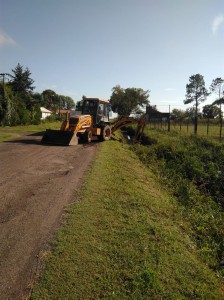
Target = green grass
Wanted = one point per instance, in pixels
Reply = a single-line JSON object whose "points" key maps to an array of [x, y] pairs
{"points": [[125, 239], [192, 168], [7, 136], [11, 132], [32, 128], [213, 130]]}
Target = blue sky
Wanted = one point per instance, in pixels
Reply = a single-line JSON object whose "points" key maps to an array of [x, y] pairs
{"points": [[86, 47]]}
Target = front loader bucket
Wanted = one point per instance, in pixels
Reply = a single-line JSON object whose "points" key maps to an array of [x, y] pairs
{"points": [[59, 137]]}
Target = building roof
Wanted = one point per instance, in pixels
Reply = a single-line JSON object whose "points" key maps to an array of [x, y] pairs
{"points": [[63, 111], [98, 99], [44, 110]]}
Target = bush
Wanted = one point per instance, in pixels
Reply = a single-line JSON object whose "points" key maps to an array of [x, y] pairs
{"points": [[36, 115], [49, 119]]}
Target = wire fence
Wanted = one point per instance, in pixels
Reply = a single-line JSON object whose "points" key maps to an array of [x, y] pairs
{"points": [[212, 128]]}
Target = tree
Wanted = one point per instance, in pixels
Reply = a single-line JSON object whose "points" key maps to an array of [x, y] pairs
{"points": [[210, 111], [197, 93], [66, 102], [21, 80], [7, 105], [49, 99], [177, 114], [125, 101], [217, 87], [53, 101], [3, 102]]}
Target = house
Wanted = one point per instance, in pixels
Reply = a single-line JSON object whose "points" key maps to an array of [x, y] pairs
{"points": [[153, 115], [63, 113], [45, 113]]}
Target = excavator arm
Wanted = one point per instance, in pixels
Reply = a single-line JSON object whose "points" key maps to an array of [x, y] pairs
{"points": [[126, 121]]}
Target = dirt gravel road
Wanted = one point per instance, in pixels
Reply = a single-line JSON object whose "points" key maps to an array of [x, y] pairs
{"points": [[37, 183]]}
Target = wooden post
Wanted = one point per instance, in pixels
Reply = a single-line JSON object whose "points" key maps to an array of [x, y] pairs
{"points": [[220, 130], [169, 120], [207, 126]]}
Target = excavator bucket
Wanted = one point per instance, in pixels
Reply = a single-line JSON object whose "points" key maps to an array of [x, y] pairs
{"points": [[59, 137]]}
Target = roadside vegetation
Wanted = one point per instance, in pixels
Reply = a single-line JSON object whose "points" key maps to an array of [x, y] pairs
{"points": [[206, 128], [33, 128], [19, 105], [11, 132], [128, 238], [192, 168]]}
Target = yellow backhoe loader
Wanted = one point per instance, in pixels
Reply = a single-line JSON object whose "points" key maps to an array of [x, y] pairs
{"points": [[90, 118]]}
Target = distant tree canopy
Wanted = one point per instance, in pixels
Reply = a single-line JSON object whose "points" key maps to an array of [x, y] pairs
{"points": [[177, 114], [53, 101], [21, 80], [210, 111], [19, 105], [126, 101], [217, 87], [195, 90], [196, 93]]}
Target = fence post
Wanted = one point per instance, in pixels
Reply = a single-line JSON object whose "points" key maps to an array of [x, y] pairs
{"points": [[169, 120], [220, 131], [207, 126]]}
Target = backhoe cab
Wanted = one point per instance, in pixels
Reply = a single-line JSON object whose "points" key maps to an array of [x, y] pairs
{"points": [[99, 109], [90, 119]]}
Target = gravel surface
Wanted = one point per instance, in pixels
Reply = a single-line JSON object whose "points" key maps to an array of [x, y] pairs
{"points": [[37, 183]]}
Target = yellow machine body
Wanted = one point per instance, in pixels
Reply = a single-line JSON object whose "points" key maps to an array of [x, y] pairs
{"points": [[91, 119]]}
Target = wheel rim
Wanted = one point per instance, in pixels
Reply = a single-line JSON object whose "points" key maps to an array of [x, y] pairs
{"points": [[90, 135], [107, 132]]}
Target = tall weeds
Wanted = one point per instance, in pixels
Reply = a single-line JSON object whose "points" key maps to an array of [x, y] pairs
{"points": [[192, 168]]}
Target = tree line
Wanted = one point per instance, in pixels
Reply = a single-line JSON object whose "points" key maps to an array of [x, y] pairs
{"points": [[19, 105], [133, 100], [197, 93]]}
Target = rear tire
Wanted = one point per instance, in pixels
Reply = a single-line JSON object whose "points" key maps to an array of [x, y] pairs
{"points": [[87, 136], [105, 133]]}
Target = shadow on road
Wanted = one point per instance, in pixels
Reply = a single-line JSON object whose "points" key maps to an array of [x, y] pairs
{"points": [[41, 133]]}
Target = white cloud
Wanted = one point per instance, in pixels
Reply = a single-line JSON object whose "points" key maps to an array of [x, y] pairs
{"points": [[217, 22], [6, 40]]}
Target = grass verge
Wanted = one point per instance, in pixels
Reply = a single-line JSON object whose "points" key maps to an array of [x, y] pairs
{"points": [[32, 128], [11, 132], [7, 136], [193, 170], [125, 239]]}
